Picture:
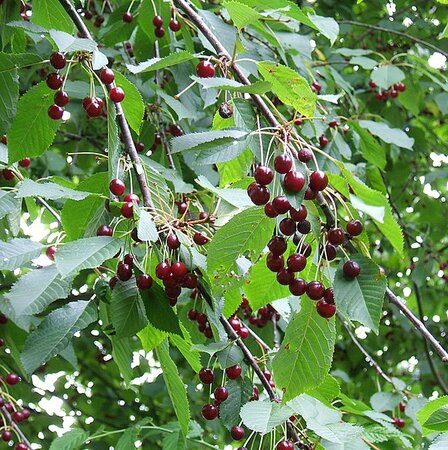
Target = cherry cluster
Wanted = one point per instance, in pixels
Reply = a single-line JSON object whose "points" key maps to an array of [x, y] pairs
{"points": [[7, 173], [159, 31], [201, 319], [392, 92]]}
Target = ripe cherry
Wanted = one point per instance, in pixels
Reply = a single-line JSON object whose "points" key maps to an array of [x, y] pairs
{"points": [[94, 108], [402, 406], [329, 252], [61, 98], [304, 249], [190, 281], [235, 323], [21, 446], [283, 163], [205, 69], [325, 309], [237, 433], [316, 86], [351, 269], [2, 342], [294, 181], [159, 32], [304, 227], [323, 140], [270, 211], [124, 271], [318, 180], [172, 241], [58, 60], [310, 194], [113, 282], [400, 87], [4, 139], [259, 194], [157, 21], [12, 379], [116, 94], [354, 227], [275, 262], [335, 236], [225, 110], [50, 252], [287, 226], [394, 93], [285, 445], [305, 155], [6, 435], [399, 422], [277, 245], [281, 204], [193, 314], [200, 238], [132, 198], [298, 215], [221, 394], [329, 295], [285, 277], [104, 230], [8, 174], [206, 375], [315, 290], [296, 262], [26, 413], [144, 281], [372, 84], [55, 112], [182, 208], [297, 286], [127, 210], [107, 75], [333, 123], [210, 412], [174, 25], [234, 372], [179, 270], [128, 17], [163, 270], [243, 332], [139, 146], [54, 81], [117, 187], [18, 416], [263, 175]]}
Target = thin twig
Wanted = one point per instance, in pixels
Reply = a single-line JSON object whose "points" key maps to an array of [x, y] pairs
{"points": [[16, 427]]}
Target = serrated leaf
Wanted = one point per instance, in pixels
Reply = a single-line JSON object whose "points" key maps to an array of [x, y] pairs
{"points": [[184, 345], [306, 352], [425, 413], [240, 391], [132, 104], [361, 298], [369, 147], [387, 134], [248, 231], [146, 228], [9, 94], [151, 337], [440, 442], [241, 15], [438, 420], [86, 253], [8, 203], [263, 416], [51, 14], [71, 440], [258, 87], [127, 310], [387, 75], [122, 354], [161, 63], [326, 25], [50, 191], [55, 332], [230, 356], [385, 401], [18, 252], [290, 87], [327, 391], [175, 385], [127, 439], [157, 185], [37, 289], [32, 131], [68, 43]]}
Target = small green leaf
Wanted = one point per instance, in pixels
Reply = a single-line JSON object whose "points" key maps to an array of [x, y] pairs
{"points": [[55, 332], [72, 440], [387, 134], [133, 105], [50, 191], [127, 439], [369, 147], [146, 228], [18, 252], [326, 25], [175, 385], [127, 309], [184, 345], [259, 87], [161, 63], [306, 352], [68, 43], [32, 131], [263, 416], [51, 14], [290, 87], [230, 356], [241, 15], [8, 203], [86, 253], [426, 413], [387, 75]]}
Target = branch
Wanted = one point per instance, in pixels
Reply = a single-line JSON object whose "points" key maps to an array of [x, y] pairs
{"points": [[398, 33], [16, 427]]}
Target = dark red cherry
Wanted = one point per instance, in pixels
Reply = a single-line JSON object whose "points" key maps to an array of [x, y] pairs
{"points": [[21, 446], [55, 112], [285, 445], [399, 422], [206, 375], [329, 295], [281, 204], [179, 270], [225, 110], [190, 281], [329, 252], [372, 84], [285, 277], [296, 262], [200, 238], [6, 436], [234, 372], [172, 241], [116, 94], [263, 175], [277, 245], [282, 163], [127, 210], [61, 98], [325, 309], [140, 147], [304, 227], [193, 314], [210, 412], [107, 75], [259, 194], [144, 281], [315, 290], [335, 236], [298, 215], [275, 262], [304, 249], [50, 252], [58, 60], [297, 286], [128, 17], [323, 140], [221, 394], [243, 332], [117, 187], [318, 180], [235, 323], [12, 379], [124, 271], [54, 81], [159, 32], [205, 69], [8, 174], [333, 123], [157, 21], [310, 194], [104, 230], [270, 211], [237, 433], [176, 130], [354, 227], [174, 25], [182, 208], [351, 269], [305, 155], [113, 282], [316, 86], [163, 270], [287, 226], [294, 181], [18, 416], [402, 406]]}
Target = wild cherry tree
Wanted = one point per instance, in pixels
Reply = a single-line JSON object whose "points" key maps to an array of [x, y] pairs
{"points": [[223, 224]]}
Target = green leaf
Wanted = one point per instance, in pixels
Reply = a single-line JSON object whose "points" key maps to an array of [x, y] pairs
{"points": [[262, 286], [127, 439], [240, 14], [55, 332], [306, 352], [430, 408], [132, 104], [235, 169], [127, 309], [263, 416], [369, 147], [387, 134], [72, 440], [385, 401], [8, 203], [326, 25], [151, 337], [290, 87], [18, 252], [327, 391], [258, 87], [388, 226], [184, 345], [32, 131], [146, 228], [50, 191], [440, 442], [68, 43], [122, 356], [248, 231], [361, 298], [51, 14], [230, 356], [438, 420], [387, 75], [86, 253], [160, 193], [161, 63], [37, 289], [113, 142], [240, 391], [9, 94], [175, 385]]}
